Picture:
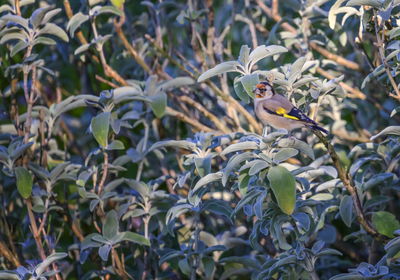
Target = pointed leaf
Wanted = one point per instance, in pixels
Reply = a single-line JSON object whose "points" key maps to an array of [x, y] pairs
{"points": [[283, 185], [24, 181], [100, 126]]}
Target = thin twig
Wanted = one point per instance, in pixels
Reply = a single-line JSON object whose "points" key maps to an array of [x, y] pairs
{"points": [[347, 182], [381, 51], [8, 255], [340, 60], [105, 172], [196, 124], [34, 229]]}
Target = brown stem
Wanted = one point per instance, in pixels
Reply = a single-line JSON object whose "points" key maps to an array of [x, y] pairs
{"points": [[17, 8], [346, 180], [105, 172], [34, 229], [381, 50], [196, 124], [8, 255], [220, 125], [340, 60]]}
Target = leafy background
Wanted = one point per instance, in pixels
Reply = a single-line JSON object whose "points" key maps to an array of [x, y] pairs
{"points": [[130, 149]]}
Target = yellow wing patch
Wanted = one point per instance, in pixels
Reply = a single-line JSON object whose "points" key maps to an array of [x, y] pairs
{"points": [[281, 111]]}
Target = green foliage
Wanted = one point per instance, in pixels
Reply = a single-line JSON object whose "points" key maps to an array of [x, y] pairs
{"points": [[129, 147]]}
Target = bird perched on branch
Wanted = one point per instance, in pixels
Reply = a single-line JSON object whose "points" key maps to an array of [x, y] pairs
{"points": [[279, 112]]}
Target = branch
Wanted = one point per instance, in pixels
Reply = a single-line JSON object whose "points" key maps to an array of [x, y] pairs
{"points": [[340, 60], [347, 182], [7, 254], [383, 59], [196, 125]]}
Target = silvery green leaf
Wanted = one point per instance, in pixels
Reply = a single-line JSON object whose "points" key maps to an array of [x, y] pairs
{"points": [[373, 3], [109, 10], [135, 238], [395, 111], [6, 8], [233, 163], [111, 225], [49, 15], [304, 81], [296, 69], [391, 130], [284, 154], [228, 66], [184, 266], [177, 210], [100, 126], [12, 36], [175, 83], [44, 41], [247, 145], [82, 49], [37, 16], [373, 75], [169, 256], [17, 20], [158, 104], [182, 144], [263, 51], [19, 150], [346, 210], [303, 219], [18, 47], [322, 197], [203, 165], [297, 144], [217, 207], [104, 251], [140, 187], [333, 13], [257, 166], [244, 55], [240, 91], [25, 2], [48, 261], [249, 82], [52, 29], [9, 275], [75, 22], [334, 183], [209, 178], [378, 179], [281, 263], [115, 145]]}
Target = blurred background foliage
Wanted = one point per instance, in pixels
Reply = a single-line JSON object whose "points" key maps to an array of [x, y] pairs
{"points": [[129, 147]]}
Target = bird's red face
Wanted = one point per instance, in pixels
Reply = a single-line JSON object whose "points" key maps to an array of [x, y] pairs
{"points": [[263, 89]]}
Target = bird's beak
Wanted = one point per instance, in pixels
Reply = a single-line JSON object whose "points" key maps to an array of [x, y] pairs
{"points": [[256, 92]]}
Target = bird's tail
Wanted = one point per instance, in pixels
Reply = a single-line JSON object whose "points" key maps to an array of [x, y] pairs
{"points": [[317, 127]]}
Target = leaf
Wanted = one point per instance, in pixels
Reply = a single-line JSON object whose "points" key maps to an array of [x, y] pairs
{"points": [[297, 144], [18, 47], [228, 66], [82, 49], [246, 145], [49, 15], [240, 91], [104, 251], [158, 104], [296, 69], [116, 145], [9, 275], [12, 36], [48, 261], [249, 82], [111, 225], [118, 3], [373, 3], [333, 13], [175, 83], [52, 29], [346, 210], [263, 51], [244, 55], [233, 163], [283, 185], [75, 22], [37, 16], [392, 130], [385, 223], [16, 20], [209, 178], [284, 154], [258, 166], [135, 238], [24, 181], [100, 127], [109, 10], [182, 144]]}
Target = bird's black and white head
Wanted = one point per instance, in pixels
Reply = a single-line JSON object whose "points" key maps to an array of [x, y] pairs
{"points": [[263, 90]]}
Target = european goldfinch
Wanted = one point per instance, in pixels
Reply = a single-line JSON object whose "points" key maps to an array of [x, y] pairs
{"points": [[279, 112]]}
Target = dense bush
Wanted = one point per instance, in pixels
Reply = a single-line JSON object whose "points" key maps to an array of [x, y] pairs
{"points": [[129, 147]]}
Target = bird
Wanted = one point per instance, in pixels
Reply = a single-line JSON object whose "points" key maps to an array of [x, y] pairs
{"points": [[276, 110]]}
